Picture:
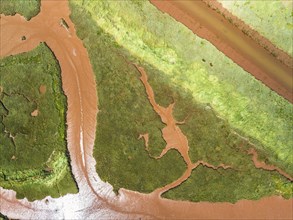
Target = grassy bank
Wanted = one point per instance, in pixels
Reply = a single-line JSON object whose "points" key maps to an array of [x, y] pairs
{"points": [[33, 157], [126, 113]]}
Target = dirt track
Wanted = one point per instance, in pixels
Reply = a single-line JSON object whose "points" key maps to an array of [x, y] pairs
{"points": [[243, 50], [96, 199]]}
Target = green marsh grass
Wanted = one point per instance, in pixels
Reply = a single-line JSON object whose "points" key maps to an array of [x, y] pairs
{"points": [[125, 113]]}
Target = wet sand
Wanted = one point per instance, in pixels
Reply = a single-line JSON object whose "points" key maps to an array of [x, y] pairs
{"points": [[96, 198], [248, 53]]}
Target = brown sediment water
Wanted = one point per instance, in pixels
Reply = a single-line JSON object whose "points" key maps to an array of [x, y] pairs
{"points": [[173, 136], [79, 86], [248, 53], [76, 71], [175, 139], [96, 199], [262, 165]]}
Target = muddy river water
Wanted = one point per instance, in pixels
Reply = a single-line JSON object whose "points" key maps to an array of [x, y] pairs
{"points": [[96, 198]]}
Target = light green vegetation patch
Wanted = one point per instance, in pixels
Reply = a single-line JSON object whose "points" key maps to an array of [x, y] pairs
{"points": [[33, 157], [198, 68], [273, 19], [27, 8], [125, 112]]}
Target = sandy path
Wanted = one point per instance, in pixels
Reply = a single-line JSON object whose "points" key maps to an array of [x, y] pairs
{"points": [[247, 53], [96, 199]]}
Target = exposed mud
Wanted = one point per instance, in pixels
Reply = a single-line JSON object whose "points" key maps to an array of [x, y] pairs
{"points": [[35, 113], [247, 52], [96, 199], [262, 165], [42, 89], [76, 70], [172, 135]]}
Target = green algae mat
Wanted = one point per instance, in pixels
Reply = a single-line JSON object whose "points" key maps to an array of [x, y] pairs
{"points": [[224, 116]]}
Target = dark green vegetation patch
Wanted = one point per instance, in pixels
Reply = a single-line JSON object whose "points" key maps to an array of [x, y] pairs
{"points": [[27, 8], [126, 113], [33, 157]]}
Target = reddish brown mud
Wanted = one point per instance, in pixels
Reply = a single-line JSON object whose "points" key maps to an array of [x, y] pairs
{"points": [[262, 165], [175, 139], [79, 86], [172, 135], [76, 70], [42, 89], [96, 199], [267, 208], [35, 113], [199, 17], [146, 141]]}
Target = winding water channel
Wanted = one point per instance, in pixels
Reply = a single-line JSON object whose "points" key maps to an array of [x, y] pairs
{"points": [[96, 198]]}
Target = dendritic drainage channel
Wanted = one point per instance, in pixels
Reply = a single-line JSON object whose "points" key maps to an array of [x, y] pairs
{"points": [[173, 136]]}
